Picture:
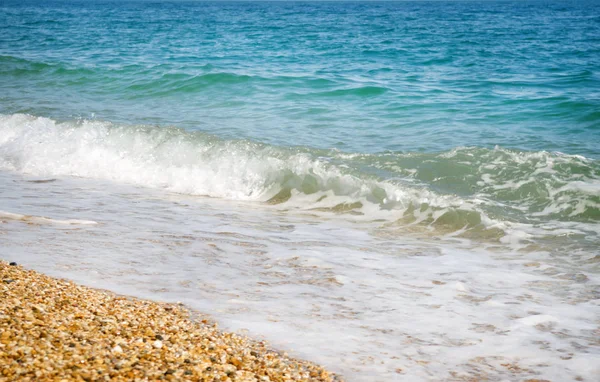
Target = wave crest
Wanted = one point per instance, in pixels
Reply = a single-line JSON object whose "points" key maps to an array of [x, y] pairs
{"points": [[465, 188]]}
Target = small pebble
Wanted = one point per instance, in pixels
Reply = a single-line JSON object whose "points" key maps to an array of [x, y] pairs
{"points": [[57, 330], [12, 263]]}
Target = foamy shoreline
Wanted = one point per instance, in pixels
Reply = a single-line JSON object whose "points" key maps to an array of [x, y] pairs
{"points": [[55, 329]]}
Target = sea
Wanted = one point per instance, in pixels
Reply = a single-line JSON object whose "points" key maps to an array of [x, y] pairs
{"points": [[398, 191]]}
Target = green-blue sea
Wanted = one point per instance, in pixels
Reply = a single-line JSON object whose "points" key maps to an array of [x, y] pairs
{"points": [[396, 190]]}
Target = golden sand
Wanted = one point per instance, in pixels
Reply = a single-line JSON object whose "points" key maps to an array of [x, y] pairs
{"points": [[55, 330]]}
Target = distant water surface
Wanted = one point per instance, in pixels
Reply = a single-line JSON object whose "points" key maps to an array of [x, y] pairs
{"points": [[361, 77]]}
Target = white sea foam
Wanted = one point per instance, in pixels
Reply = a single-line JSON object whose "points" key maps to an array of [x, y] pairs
{"points": [[300, 179], [354, 296], [195, 164], [43, 220]]}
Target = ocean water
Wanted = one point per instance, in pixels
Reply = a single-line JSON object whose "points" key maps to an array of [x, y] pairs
{"points": [[395, 190]]}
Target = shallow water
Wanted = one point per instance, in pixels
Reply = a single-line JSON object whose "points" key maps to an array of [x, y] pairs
{"points": [[393, 190], [352, 296]]}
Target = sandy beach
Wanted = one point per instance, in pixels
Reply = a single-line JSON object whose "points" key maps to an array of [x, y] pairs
{"points": [[55, 330]]}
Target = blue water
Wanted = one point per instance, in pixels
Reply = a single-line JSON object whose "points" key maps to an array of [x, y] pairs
{"points": [[495, 103], [360, 77]]}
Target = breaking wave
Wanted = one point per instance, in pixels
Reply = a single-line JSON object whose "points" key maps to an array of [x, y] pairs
{"points": [[465, 188]]}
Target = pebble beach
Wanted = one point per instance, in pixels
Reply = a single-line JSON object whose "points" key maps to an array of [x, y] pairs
{"points": [[391, 190], [56, 330]]}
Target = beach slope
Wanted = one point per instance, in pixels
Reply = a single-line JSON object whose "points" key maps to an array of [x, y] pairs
{"points": [[52, 329]]}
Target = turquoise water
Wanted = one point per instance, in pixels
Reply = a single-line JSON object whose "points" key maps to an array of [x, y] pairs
{"points": [[359, 77], [381, 92], [471, 127]]}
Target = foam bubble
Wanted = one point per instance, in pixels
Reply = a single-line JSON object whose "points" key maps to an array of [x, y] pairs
{"points": [[31, 219]]}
